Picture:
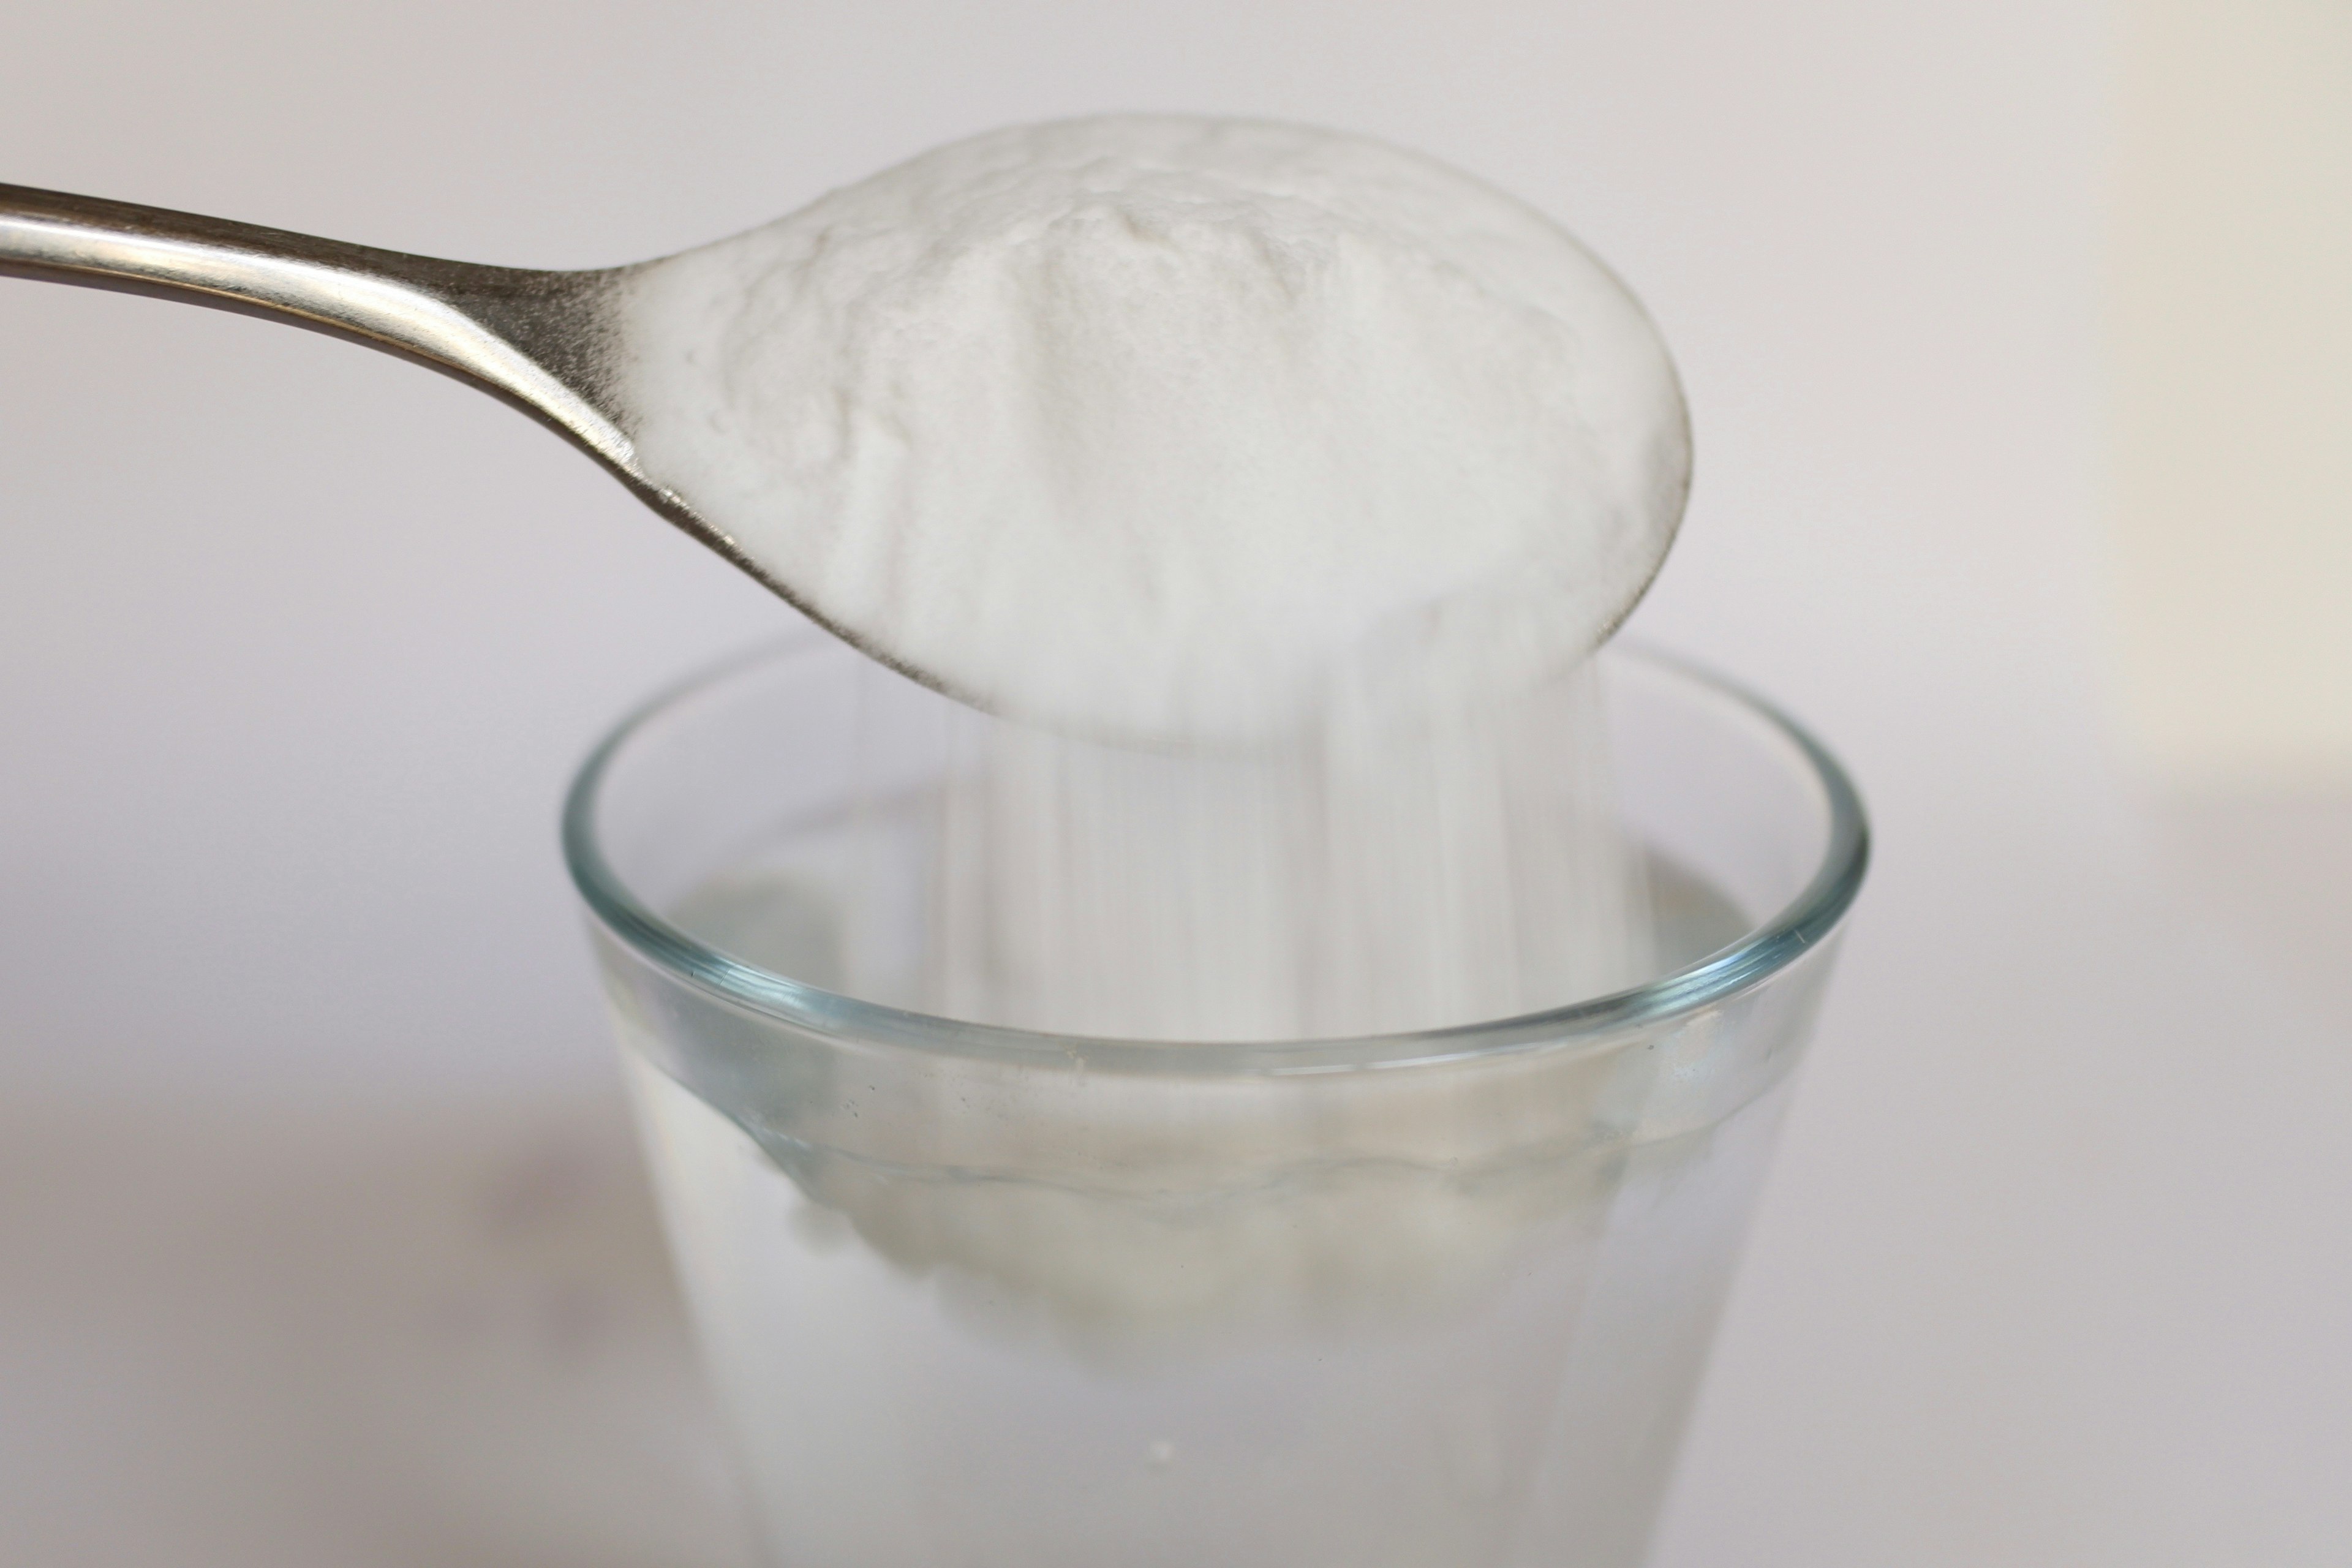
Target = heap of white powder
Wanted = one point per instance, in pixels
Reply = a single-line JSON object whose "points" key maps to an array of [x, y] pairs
{"points": [[1160, 427]]}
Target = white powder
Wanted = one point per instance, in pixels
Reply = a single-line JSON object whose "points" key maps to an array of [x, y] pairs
{"points": [[1157, 427], [1311, 465], [1179, 431], [1374, 877], [1316, 467]]}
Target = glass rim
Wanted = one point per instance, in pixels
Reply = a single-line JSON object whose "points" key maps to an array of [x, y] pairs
{"points": [[1771, 945]]}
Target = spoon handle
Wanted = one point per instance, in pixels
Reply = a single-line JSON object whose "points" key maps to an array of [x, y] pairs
{"points": [[542, 340]]}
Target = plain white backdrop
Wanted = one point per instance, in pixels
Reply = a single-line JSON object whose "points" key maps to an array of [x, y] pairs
{"points": [[298, 647]]}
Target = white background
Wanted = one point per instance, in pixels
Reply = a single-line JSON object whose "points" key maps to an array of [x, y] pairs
{"points": [[318, 1242]]}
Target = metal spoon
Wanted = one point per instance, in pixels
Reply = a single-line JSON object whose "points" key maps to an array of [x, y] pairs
{"points": [[544, 342]]}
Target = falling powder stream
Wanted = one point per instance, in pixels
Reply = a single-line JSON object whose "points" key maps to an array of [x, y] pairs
{"points": [[1379, 875]]}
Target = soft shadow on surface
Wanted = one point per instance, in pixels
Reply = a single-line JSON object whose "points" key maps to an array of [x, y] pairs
{"points": [[337, 1338], [2272, 868]]}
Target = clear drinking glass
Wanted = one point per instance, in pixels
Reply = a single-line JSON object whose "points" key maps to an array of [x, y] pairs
{"points": [[976, 1298]]}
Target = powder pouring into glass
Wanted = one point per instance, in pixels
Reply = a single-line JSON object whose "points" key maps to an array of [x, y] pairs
{"points": [[1233, 1089]]}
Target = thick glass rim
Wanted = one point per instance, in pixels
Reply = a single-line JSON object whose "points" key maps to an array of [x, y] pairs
{"points": [[1773, 944]]}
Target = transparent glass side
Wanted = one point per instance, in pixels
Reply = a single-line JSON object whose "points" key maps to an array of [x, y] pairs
{"points": [[975, 1298]]}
